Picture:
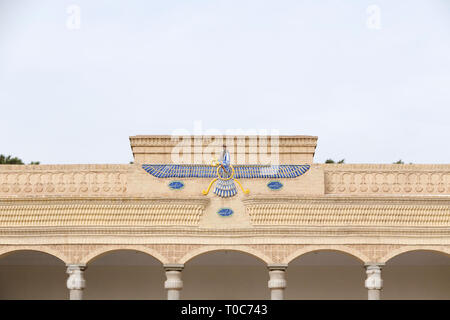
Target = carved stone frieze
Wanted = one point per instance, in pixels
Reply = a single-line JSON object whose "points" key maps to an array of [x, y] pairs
{"points": [[387, 179], [48, 180]]}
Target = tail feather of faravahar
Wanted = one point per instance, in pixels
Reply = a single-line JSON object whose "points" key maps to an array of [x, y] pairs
{"points": [[225, 188]]}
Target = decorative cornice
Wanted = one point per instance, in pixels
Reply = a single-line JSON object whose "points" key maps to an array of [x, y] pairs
{"points": [[168, 140], [376, 166], [94, 212], [370, 212], [356, 199], [276, 213], [276, 234]]}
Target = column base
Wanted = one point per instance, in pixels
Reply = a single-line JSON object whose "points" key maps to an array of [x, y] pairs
{"points": [[76, 294]]}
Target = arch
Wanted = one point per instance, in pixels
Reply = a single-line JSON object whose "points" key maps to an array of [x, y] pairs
{"points": [[399, 251], [244, 249], [104, 250], [340, 248], [43, 249]]}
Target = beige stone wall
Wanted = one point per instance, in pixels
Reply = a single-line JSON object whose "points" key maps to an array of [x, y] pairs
{"points": [[132, 181], [76, 212]]}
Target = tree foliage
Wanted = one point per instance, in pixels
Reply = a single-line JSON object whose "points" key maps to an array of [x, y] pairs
{"points": [[10, 160], [332, 161]]}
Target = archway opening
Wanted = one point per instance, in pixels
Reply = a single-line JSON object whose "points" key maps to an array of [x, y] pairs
{"points": [[225, 274], [325, 274], [124, 274], [419, 274], [28, 274]]}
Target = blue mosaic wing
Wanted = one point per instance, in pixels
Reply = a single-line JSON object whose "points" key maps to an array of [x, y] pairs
{"points": [[277, 171], [240, 171], [180, 171]]}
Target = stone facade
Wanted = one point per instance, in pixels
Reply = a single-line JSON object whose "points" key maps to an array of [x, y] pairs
{"points": [[79, 212]]}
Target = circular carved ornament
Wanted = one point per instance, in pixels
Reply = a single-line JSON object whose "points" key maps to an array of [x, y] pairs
{"points": [[225, 175]]}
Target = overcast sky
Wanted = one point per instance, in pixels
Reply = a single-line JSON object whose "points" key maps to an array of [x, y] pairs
{"points": [[373, 83]]}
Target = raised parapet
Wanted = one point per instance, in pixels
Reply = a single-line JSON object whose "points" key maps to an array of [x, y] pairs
{"points": [[63, 180], [243, 149], [387, 179]]}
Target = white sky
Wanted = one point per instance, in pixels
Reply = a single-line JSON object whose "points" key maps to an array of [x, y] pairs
{"points": [[152, 67]]}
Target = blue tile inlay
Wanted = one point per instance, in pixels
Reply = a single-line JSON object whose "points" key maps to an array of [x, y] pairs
{"points": [[176, 185], [275, 185], [225, 212]]}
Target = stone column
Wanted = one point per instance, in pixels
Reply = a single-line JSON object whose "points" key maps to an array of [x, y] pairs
{"points": [[277, 280], [374, 283], [173, 284], [76, 282]]}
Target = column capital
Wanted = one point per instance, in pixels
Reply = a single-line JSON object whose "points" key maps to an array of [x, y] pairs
{"points": [[173, 267], [279, 267], [75, 266], [374, 280], [374, 264], [76, 278]]}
